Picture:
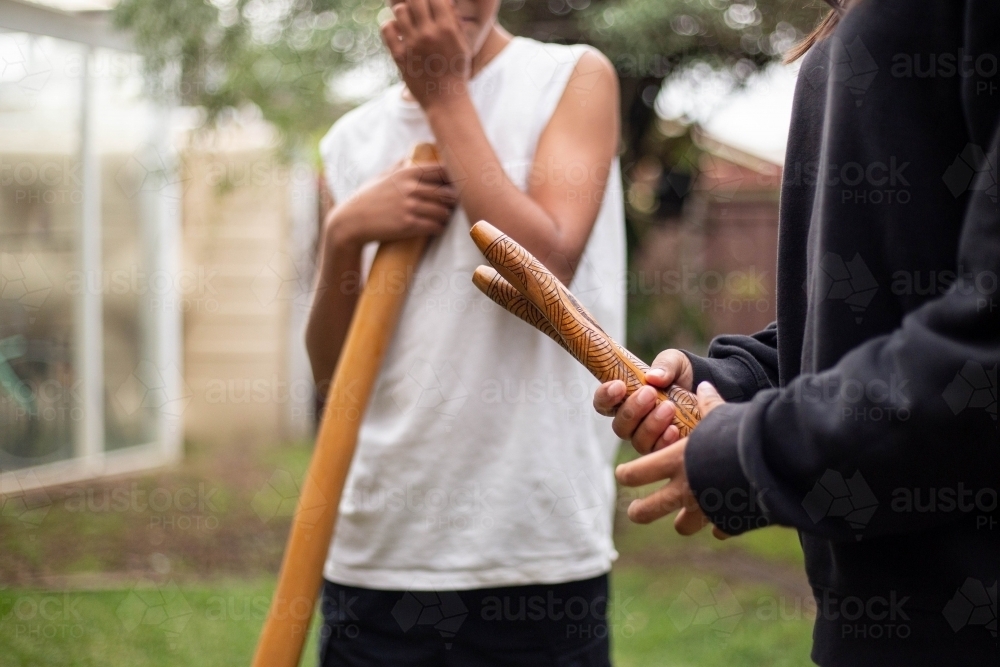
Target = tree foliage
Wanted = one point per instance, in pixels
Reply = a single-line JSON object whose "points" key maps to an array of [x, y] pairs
{"points": [[282, 55], [278, 55]]}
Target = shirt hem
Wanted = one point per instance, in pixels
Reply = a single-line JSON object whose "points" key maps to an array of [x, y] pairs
{"points": [[556, 571]]}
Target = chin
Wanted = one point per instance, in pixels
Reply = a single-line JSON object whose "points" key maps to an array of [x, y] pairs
{"points": [[472, 38]]}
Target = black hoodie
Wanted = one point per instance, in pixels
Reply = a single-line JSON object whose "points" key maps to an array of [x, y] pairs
{"points": [[866, 416]]}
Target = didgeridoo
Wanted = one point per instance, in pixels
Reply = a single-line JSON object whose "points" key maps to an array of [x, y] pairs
{"points": [[521, 284], [371, 329]]}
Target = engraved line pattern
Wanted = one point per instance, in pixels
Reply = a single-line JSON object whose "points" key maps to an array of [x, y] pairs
{"points": [[505, 295], [583, 337]]}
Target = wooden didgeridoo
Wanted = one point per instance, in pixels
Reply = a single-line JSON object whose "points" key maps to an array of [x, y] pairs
{"points": [[523, 286], [371, 329]]}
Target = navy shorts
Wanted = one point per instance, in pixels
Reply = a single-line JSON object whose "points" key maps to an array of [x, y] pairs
{"points": [[541, 624]]}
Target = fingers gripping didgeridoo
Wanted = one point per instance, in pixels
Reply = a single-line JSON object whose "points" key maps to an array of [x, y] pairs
{"points": [[372, 327], [522, 285]]}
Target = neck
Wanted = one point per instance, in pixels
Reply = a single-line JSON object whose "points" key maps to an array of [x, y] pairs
{"points": [[495, 41]]}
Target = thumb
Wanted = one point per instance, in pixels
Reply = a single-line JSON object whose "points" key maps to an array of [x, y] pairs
{"points": [[708, 398]]}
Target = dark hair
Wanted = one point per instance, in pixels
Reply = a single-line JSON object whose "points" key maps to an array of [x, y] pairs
{"points": [[821, 31]]}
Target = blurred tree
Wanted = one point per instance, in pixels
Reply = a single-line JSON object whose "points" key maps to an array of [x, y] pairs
{"points": [[277, 55], [283, 55], [651, 40]]}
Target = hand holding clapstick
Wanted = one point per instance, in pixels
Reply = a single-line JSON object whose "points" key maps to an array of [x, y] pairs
{"points": [[523, 286]]}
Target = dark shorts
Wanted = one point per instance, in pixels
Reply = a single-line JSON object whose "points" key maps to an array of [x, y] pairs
{"points": [[555, 624]]}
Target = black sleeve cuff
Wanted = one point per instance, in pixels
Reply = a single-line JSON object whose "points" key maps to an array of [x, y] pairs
{"points": [[716, 477], [730, 376]]}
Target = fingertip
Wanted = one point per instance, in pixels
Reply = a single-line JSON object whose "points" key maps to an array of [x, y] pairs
{"points": [[616, 390], [657, 377], [634, 512]]}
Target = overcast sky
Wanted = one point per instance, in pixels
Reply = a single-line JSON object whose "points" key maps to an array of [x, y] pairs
{"points": [[753, 119]]}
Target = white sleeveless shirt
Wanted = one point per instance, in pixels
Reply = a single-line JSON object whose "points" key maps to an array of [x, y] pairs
{"points": [[480, 461]]}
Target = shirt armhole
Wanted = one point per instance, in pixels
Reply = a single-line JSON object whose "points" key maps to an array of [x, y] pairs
{"points": [[549, 100]]}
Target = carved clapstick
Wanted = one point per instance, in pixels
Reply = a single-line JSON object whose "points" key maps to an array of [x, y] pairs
{"points": [[523, 286], [503, 293]]}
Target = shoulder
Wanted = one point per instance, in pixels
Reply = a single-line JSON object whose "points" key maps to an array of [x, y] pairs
{"points": [[593, 81], [592, 62], [575, 60]]}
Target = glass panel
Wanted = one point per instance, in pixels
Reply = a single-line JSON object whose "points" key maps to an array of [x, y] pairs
{"points": [[131, 177], [40, 194]]}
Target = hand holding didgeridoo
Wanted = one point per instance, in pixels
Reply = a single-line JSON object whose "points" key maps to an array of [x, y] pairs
{"points": [[522, 285], [371, 329]]}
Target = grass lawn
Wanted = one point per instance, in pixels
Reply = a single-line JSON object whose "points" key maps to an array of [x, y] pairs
{"points": [[656, 620], [130, 585]]}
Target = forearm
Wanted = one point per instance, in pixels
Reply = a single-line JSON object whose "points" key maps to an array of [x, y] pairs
{"points": [[485, 191], [338, 286]]}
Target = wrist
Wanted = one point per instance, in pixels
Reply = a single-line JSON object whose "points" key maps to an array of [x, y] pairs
{"points": [[341, 233], [716, 475], [453, 95]]}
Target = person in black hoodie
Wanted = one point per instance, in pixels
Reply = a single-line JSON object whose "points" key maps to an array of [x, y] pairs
{"points": [[866, 416]]}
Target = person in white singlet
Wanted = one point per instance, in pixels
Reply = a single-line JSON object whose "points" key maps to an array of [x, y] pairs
{"points": [[482, 479]]}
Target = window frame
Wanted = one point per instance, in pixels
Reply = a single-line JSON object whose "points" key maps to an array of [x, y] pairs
{"points": [[91, 460]]}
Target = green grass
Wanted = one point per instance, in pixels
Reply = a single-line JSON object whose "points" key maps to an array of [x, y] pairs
{"points": [[141, 626], [655, 620], [78, 587]]}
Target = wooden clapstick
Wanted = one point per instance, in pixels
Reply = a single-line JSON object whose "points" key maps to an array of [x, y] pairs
{"points": [[522, 285], [493, 285], [372, 327]]}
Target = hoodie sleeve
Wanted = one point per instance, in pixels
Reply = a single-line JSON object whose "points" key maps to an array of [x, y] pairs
{"points": [[739, 366], [934, 379]]}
